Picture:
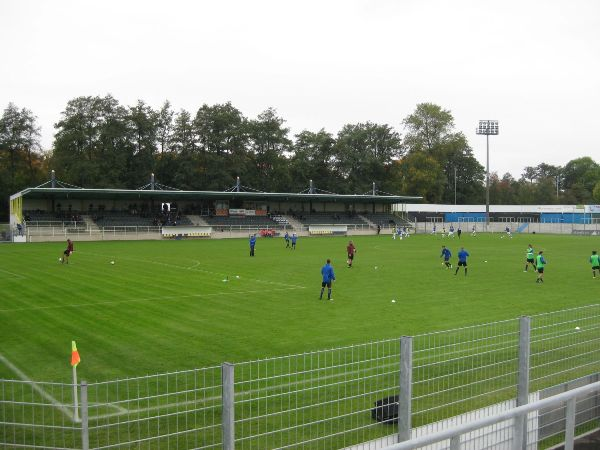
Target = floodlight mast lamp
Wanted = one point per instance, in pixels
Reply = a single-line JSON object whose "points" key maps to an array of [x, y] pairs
{"points": [[489, 128]]}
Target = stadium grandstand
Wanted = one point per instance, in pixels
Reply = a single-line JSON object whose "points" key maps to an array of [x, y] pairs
{"points": [[53, 210]]}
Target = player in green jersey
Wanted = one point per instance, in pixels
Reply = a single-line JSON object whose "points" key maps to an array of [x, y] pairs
{"points": [[530, 258], [595, 261], [540, 263]]}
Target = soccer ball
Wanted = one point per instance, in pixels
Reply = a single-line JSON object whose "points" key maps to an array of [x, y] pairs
{"points": [[59, 259], [112, 262]]}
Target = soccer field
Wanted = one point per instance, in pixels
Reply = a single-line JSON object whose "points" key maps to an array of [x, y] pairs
{"points": [[174, 305]]}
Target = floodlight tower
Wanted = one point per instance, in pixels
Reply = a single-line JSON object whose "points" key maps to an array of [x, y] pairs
{"points": [[487, 127]]}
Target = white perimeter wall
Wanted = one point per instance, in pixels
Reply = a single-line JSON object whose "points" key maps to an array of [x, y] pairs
{"points": [[439, 208]]}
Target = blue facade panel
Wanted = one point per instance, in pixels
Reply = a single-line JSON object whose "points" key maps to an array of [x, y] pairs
{"points": [[564, 218], [464, 217]]}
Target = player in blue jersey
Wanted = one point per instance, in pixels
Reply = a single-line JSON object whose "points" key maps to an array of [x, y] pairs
{"points": [[328, 278], [462, 260], [252, 244], [287, 239], [451, 231], [294, 239], [446, 255]]}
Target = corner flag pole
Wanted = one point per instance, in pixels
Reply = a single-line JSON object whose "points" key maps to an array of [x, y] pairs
{"points": [[75, 359]]}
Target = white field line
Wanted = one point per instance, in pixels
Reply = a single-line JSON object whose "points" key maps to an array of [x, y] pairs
{"points": [[66, 410], [193, 267], [119, 408], [149, 299], [16, 275], [238, 394]]}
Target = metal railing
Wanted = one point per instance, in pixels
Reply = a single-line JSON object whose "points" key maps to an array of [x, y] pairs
{"points": [[453, 435], [327, 398]]}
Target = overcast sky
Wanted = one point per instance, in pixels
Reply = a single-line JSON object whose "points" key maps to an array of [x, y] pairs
{"points": [[532, 65]]}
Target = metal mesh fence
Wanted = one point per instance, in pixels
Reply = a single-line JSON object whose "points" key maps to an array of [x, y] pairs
{"points": [[179, 410], [565, 353], [462, 370], [37, 415], [564, 345], [315, 400], [323, 399]]}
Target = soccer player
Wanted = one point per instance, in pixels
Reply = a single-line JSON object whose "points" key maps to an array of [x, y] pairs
{"points": [[252, 244], [67, 252], [294, 239], [351, 249], [474, 231], [540, 263], [530, 258], [328, 278], [287, 239], [462, 260], [446, 254], [433, 231], [595, 261], [508, 233], [451, 231], [459, 232]]}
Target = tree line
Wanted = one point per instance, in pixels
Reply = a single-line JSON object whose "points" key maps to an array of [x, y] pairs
{"points": [[100, 143]]}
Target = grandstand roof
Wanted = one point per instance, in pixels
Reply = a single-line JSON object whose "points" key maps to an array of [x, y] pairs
{"points": [[133, 194]]}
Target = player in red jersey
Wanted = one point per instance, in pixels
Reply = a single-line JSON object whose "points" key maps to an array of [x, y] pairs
{"points": [[67, 252], [351, 249]]}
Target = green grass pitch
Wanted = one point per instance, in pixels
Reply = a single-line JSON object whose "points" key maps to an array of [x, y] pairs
{"points": [[164, 306]]}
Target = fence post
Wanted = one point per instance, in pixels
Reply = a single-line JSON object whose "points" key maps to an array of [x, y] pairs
{"points": [[523, 382], [570, 424], [85, 435], [404, 402], [455, 443], [228, 393]]}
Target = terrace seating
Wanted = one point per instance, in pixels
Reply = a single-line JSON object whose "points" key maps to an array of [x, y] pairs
{"points": [[37, 218], [241, 221], [329, 219], [120, 219], [383, 219]]}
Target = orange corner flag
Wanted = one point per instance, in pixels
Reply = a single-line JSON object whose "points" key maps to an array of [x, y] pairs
{"points": [[74, 354]]}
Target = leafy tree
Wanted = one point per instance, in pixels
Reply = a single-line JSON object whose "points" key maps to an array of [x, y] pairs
{"points": [[580, 176], [364, 153], [430, 129], [164, 127], [268, 143], [529, 174], [190, 169], [503, 191], [142, 121], [222, 136], [92, 146], [427, 128], [596, 193], [456, 157], [313, 159], [22, 163], [420, 174]]}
